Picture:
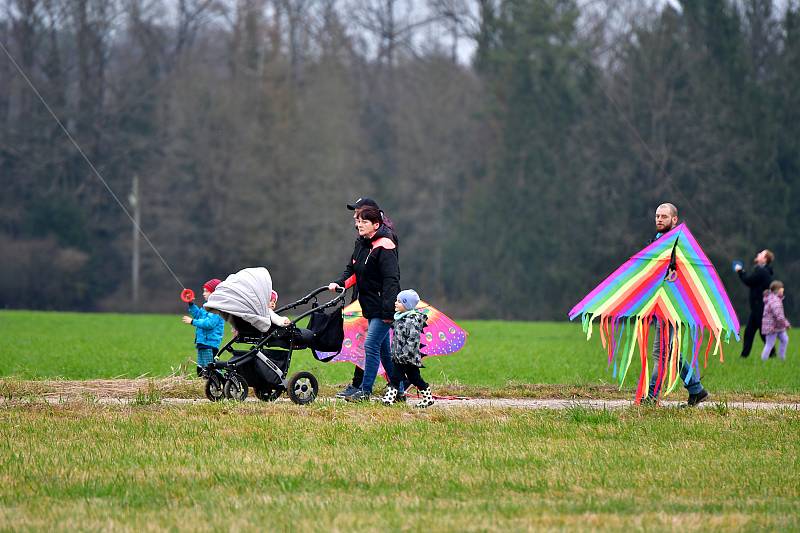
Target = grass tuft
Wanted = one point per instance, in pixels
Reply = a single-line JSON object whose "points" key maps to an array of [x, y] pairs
{"points": [[148, 396], [588, 416], [721, 408]]}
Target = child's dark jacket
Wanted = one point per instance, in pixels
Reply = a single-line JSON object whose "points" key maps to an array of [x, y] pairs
{"points": [[406, 339]]}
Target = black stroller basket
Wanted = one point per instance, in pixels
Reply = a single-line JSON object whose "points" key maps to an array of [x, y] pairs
{"points": [[264, 366]]}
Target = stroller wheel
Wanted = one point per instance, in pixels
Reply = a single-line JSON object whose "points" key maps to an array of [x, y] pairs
{"points": [[214, 387], [303, 388], [268, 395], [235, 388]]}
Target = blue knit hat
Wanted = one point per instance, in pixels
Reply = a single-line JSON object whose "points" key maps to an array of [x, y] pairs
{"points": [[409, 298]]}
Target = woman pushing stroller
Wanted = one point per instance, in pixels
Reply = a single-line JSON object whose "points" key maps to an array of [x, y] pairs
{"points": [[374, 270]]}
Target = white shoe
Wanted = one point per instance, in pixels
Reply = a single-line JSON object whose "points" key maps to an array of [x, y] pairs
{"points": [[389, 396], [426, 398]]}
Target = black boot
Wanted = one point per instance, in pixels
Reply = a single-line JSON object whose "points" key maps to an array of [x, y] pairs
{"points": [[695, 399]]}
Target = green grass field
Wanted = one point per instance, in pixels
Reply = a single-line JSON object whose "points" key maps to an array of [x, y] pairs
{"points": [[498, 355], [151, 465], [334, 467]]}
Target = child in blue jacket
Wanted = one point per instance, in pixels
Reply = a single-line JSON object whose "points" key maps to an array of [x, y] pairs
{"points": [[209, 327]]}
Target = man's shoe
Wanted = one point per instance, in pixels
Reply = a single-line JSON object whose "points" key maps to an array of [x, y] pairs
{"points": [[694, 399], [358, 396], [347, 391]]}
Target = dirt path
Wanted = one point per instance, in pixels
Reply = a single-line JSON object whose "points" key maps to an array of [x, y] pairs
{"points": [[535, 403], [502, 403], [604, 404], [181, 391]]}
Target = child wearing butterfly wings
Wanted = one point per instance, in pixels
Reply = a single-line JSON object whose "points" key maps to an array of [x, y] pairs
{"points": [[408, 325]]}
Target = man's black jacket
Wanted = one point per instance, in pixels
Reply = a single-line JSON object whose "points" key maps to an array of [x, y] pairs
{"points": [[758, 280]]}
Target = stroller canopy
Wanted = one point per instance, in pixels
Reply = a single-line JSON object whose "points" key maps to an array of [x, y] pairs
{"points": [[244, 294]]}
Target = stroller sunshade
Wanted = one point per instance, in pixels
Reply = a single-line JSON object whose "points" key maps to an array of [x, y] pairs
{"points": [[245, 295]]}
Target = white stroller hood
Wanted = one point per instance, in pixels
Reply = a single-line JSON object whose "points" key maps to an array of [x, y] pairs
{"points": [[244, 294]]}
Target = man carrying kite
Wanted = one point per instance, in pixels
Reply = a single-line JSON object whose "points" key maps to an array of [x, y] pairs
{"points": [[666, 220], [672, 285]]}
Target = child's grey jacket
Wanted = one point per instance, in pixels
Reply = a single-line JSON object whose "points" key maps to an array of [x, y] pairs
{"points": [[406, 339]]}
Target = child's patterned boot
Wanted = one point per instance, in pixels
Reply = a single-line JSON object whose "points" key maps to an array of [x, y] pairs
{"points": [[389, 396], [426, 398]]}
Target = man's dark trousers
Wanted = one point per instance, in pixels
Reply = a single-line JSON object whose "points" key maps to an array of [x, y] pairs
{"points": [[753, 325]]}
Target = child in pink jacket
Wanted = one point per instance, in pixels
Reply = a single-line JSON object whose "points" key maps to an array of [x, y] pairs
{"points": [[774, 323]]}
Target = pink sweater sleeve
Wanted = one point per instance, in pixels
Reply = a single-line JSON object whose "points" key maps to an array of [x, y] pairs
{"points": [[777, 310]]}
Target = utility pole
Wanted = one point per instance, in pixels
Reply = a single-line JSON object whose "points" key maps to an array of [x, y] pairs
{"points": [[137, 220]]}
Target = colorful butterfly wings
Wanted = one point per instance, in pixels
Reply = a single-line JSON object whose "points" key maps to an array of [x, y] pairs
{"points": [[441, 336]]}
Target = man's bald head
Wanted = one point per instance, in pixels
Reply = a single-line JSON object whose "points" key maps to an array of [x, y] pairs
{"points": [[666, 217], [672, 209]]}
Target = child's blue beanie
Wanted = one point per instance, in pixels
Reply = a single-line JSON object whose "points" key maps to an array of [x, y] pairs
{"points": [[409, 298]]}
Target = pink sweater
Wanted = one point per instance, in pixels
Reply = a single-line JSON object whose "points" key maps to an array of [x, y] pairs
{"points": [[773, 320]]}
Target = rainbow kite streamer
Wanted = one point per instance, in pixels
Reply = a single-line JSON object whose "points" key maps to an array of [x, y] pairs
{"points": [[671, 281]]}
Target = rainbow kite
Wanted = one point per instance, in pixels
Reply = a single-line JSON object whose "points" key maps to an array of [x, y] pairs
{"points": [[671, 281]]}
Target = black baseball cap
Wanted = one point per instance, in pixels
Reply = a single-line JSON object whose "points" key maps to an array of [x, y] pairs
{"points": [[361, 202]]}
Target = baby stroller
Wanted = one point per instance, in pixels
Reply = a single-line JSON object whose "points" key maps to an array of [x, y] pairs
{"points": [[243, 300]]}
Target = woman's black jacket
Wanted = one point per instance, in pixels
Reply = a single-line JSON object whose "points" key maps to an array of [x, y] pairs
{"points": [[375, 271]]}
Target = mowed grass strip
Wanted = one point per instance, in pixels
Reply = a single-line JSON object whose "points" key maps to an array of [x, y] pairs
{"points": [[366, 467], [500, 358]]}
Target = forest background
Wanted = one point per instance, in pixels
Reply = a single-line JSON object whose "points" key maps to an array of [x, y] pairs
{"points": [[520, 146]]}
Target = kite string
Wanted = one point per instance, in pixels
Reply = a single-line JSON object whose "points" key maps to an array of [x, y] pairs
{"points": [[89, 162]]}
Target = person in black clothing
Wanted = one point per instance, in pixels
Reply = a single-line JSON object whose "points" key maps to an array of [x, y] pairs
{"points": [[374, 270], [758, 280]]}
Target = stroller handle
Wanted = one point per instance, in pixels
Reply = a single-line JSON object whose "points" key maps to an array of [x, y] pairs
{"points": [[308, 297]]}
